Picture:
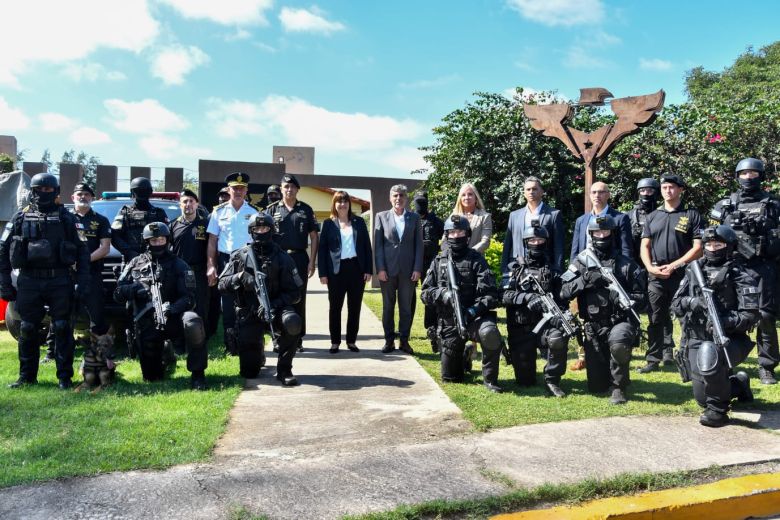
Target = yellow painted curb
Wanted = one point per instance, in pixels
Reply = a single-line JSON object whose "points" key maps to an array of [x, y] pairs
{"points": [[739, 497]]}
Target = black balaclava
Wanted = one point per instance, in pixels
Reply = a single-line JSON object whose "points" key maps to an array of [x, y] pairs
{"points": [[716, 258], [458, 245], [536, 254], [603, 246], [649, 202], [421, 206], [141, 196], [262, 241], [750, 186], [45, 200], [158, 251]]}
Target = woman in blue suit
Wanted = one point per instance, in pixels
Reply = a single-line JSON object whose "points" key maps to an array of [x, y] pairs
{"points": [[345, 264]]}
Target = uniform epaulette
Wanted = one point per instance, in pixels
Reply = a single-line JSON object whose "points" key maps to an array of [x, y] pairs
{"points": [[273, 204], [221, 204], [256, 208]]}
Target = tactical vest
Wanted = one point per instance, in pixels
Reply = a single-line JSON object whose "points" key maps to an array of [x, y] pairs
{"points": [[725, 292], [465, 275], [270, 265], [518, 282], [44, 242], [756, 226], [597, 304], [164, 273], [135, 221]]}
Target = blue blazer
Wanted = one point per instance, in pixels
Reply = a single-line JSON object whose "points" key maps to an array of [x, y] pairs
{"points": [[329, 252], [625, 243], [550, 219]]}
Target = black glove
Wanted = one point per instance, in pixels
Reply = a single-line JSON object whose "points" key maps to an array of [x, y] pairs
{"points": [[535, 304], [166, 308], [128, 291], [261, 311], [142, 294], [471, 313], [8, 293], [445, 297], [593, 278], [82, 291], [247, 281]]}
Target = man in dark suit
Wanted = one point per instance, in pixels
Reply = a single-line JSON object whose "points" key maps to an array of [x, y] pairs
{"points": [[599, 199], [549, 218], [398, 254]]}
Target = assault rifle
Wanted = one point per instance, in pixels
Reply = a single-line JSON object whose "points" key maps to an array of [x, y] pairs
{"points": [[591, 261], [157, 302], [452, 287], [719, 337], [568, 322], [261, 291]]}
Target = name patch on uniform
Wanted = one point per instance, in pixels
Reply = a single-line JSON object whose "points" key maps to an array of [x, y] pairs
{"points": [[682, 225], [80, 231], [200, 233]]}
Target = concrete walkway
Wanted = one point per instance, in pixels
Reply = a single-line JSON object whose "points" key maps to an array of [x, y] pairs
{"points": [[368, 432]]}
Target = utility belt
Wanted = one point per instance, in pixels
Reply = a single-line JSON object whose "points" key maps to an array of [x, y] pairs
{"points": [[45, 273]]}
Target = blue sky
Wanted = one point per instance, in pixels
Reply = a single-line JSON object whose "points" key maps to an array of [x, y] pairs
{"points": [[168, 82]]}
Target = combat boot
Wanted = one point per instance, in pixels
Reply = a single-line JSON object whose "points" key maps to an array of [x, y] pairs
{"points": [[493, 387], [21, 382], [713, 419], [742, 382], [767, 376], [431, 333], [198, 381], [553, 390], [65, 383], [617, 397], [287, 379]]}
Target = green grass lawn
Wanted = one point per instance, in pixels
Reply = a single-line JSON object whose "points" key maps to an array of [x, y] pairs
{"points": [[47, 433], [657, 393]]}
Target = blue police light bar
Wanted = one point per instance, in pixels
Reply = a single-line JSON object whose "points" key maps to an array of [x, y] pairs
{"points": [[115, 194]]}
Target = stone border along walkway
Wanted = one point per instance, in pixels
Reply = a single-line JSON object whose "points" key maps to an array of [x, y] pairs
{"points": [[368, 432]]}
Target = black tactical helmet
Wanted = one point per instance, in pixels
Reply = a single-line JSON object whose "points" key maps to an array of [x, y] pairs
{"points": [[648, 182], [605, 222], [260, 219], [457, 222], [722, 233], [156, 229], [141, 186], [535, 231], [750, 164], [45, 180]]}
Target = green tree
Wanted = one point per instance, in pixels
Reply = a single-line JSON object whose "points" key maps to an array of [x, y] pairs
{"points": [[88, 162], [6, 163]]}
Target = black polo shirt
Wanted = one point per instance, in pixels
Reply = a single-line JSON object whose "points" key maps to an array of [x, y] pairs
{"points": [[190, 241], [293, 226], [671, 233], [96, 227]]}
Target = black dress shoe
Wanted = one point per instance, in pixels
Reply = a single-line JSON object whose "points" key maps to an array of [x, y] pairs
{"points": [[287, 380], [352, 347], [766, 376], [389, 347], [404, 346], [713, 419], [554, 390], [493, 387], [48, 358], [649, 367], [334, 348], [19, 383], [198, 382], [65, 384]]}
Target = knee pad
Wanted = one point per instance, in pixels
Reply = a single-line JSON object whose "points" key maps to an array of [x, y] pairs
{"points": [[707, 358], [554, 339], [194, 332], [27, 330], [291, 322], [489, 336], [768, 317], [61, 327], [620, 352]]}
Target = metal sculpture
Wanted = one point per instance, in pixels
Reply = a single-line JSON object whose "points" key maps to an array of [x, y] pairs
{"points": [[632, 113]]}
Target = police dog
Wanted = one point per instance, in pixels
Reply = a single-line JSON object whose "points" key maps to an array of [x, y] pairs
{"points": [[98, 368]]}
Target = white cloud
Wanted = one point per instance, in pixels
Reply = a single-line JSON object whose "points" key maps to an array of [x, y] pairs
{"points": [[583, 53], [297, 121], [91, 71], [171, 64], [53, 122], [430, 83], [559, 12], [72, 31], [12, 118], [237, 35], [304, 20], [161, 146], [654, 64], [86, 135], [578, 58], [407, 158], [143, 117], [231, 12]]}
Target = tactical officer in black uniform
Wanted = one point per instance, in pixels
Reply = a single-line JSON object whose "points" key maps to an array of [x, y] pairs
{"points": [[737, 299], [189, 243], [670, 239], [611, 330], [754, 215], [160, 268], [283, 285], [272, 194], [44, 241], [478, 296], [296, 226], [524, 311], [130, 221], [433, 231]]}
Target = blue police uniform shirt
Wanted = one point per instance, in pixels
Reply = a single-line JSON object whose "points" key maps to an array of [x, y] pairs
{"points": [[230, 226]]}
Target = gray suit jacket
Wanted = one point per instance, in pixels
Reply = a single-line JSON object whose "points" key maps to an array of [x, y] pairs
{"points": [[394, 254], [550, 219]]}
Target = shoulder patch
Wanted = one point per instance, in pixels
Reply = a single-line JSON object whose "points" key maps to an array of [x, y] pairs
{"points": [[9, 228], [256, 208]]}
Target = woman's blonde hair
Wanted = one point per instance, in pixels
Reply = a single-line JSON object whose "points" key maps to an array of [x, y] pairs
{"points": [[458, 209]]}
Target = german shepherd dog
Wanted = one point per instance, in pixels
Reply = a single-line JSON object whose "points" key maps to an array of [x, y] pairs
{"points": [[98, 369]]}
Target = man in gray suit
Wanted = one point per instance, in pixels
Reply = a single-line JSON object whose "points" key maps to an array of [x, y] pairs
{"points": [[398, 254], [549, 218]]}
